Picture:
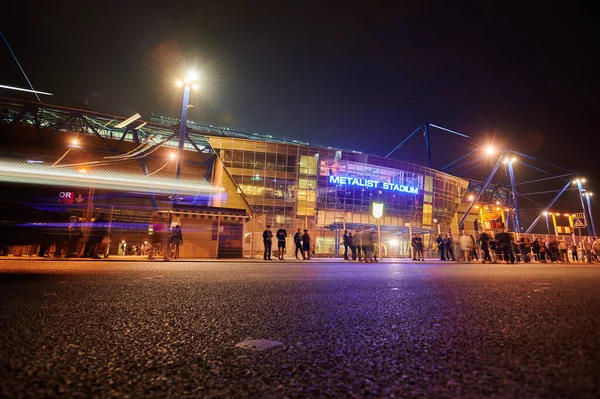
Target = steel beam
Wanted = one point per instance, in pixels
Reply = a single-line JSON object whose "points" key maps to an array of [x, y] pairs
{"points": [[547, 207], [585, 218], [515, 197], [546, 178], [547, 163], [403, 142], [489, 179], [589, 204], [449, 130], [428, 144]]}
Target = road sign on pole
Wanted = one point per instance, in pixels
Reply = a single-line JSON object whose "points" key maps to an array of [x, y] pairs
{"points": [[579, 223]]}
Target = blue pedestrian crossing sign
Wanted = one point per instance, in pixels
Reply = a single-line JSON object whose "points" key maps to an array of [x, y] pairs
{"points": [[579, 223]]}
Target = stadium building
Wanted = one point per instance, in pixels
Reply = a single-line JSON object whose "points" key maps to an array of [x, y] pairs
{"points": [[245, 181]]}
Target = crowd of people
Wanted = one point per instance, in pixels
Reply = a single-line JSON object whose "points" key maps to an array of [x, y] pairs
{"points": [[360, 246], [503, 247]]}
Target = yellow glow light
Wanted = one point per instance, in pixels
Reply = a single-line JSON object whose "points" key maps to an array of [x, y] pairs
{"points": [[490, 150], [471, 198], [172, 155]]}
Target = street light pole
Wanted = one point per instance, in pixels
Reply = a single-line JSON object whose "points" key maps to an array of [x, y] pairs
{"points": [[182, 128], [585, 218], [547, 222], [554, 224], [589, 204], [187, 85]]}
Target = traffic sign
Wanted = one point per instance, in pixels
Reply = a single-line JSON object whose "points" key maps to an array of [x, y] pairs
{"points": [[579, 223], [578, 215]]}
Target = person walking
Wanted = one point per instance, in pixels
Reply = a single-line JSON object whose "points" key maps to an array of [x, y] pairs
{"points": [[474, 250], [306, 241], [358, 242], [159, 241], [267, 241], [346, 244], [367, 245], [450, 247], [466, 246], [298, 243], [352, 246], [281, 237]]}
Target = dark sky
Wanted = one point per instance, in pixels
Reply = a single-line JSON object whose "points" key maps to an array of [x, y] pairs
{"points": [[359, 75]]}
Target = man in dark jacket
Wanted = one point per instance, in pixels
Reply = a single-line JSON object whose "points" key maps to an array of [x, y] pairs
{"points": [[346, 244], [441, 246], [267, 240], [281, 236], [298, 242], [504, 247]]}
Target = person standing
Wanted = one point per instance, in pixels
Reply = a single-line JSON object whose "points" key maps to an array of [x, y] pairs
{"points": [[352, 246], [413, 245], [485, 247], [504, 246], [574, 253], [346, 244], [176, 240], [298, 243], [306, 241], [564, 250], [440, 245], [159, 241], [281, 237], [587, 249], [419, 245], [267, 241]]}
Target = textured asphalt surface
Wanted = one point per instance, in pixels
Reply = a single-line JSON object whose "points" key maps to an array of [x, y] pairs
{"points": [[129, 329]]}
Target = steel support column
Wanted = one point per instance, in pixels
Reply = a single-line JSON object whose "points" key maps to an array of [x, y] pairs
{"points": [[589, 204], [487, 182], [585, 218], [515, 197], [548, 207], [182, 129]]}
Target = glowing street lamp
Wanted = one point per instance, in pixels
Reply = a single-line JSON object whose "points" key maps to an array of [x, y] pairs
{"points": [[490, 150], [377, 214]]}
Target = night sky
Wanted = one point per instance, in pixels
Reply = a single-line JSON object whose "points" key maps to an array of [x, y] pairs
{"points": [[359, 75]]}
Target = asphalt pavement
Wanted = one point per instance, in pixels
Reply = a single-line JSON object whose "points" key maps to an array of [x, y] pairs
{"points": [[329, 329]]}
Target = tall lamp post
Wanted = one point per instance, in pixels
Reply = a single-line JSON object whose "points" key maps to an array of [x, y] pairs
{"points": [[589, 204], [377, 214], [579, 183], [188, 83], [554, 224], [547, 222]]}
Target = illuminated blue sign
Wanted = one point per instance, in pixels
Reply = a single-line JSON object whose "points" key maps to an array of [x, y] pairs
{"points": [[351, 181]]}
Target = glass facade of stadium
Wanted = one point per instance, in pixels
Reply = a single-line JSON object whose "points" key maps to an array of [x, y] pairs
{"points": [[328, 190]]}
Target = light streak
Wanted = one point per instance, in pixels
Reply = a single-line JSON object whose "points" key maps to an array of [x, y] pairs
{"points": [[128, 121], [25, 90], [118, 180]]}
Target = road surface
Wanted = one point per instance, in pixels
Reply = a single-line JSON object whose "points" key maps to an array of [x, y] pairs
{"points": [[134, 329]]}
